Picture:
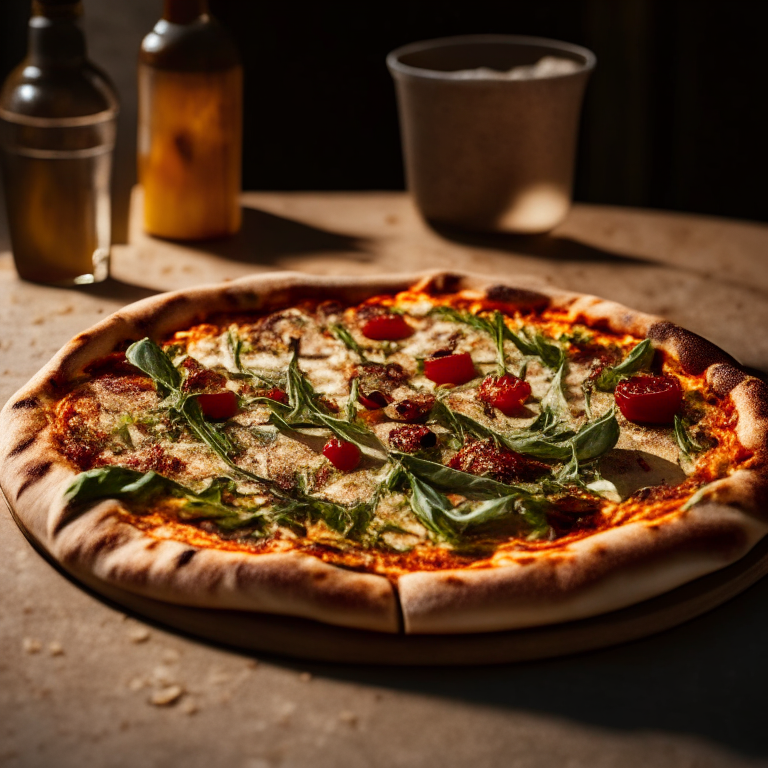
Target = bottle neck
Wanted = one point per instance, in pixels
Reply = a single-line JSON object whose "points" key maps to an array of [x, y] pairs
{"points": [[184, 11], [55, 33]]}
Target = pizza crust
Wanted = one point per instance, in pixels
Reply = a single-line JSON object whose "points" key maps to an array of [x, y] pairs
{"points": [[600, 573]]}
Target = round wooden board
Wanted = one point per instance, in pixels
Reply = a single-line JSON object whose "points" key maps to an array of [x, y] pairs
{"points": [[311, 640]]}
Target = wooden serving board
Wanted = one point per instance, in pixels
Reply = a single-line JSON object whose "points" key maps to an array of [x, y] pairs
{"points": [[315, 641]]}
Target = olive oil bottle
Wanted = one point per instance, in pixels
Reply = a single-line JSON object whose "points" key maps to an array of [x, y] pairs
{"points": [[58, 117], [190, 125]]}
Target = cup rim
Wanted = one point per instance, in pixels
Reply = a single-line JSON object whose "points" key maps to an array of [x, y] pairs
{"points": [[397, 68]]}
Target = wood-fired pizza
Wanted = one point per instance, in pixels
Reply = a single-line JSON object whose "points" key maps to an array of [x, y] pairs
{"points": [[418, 454]]}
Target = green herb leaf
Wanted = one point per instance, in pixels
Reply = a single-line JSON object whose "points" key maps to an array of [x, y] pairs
{"points": [[150, 358], [437, 513], [455, 480], [687, 445], [638, 359], [130, 485], [346, 338], [428, 505], [534, 343]]}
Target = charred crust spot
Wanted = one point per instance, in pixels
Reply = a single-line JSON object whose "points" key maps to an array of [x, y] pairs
{"points": [[453, 581], [319, 576], [26, 403], [443, 283], [518, 298], [184, 558], [107, 542], [154, 544], [150, 321], [34, 473], [22, 446], [694, 353]]}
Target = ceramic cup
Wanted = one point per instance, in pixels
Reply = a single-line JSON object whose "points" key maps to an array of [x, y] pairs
{"points": [[484, 152]]}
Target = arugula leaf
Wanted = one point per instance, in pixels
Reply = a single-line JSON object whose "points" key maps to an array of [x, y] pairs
{"points": [[554, 403], [346, 338], [596, 437], [354, 391], [529, 342], [548, 439], [455, 480], [687, 445], [150, 358], [438, 515], [493, 327], [638, 359], [536, 344], [235, 347], [114, 482], [428, 505]]}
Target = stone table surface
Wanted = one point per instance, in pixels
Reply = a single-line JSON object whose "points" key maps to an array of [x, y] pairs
{"points": [[81, 683]]}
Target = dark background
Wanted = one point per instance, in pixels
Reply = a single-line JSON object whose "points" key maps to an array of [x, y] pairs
{"points": [[673, 115]]}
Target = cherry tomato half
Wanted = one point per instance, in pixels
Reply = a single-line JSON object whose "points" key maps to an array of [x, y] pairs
{"points": [[343, 455], [218, 405], [649, 399], [387, 328], [445, 368], [277, 395], [507, 392], [374, 400]]}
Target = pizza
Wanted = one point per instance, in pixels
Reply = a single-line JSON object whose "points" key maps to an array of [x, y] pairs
{"points": [[418, 454]]}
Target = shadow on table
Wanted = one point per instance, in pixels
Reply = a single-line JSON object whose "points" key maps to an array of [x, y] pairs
{"points": [[265, 238], [706, 678], [554, 247], [561, 249], [118, 290]]}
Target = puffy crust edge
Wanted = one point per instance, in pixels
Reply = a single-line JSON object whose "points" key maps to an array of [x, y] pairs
{"points": [[608, 571], [597, 575]]}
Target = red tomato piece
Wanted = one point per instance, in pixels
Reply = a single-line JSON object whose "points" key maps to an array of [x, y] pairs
{"points": [[507, 392], [387, 328], [218, 405], [649, 399], [277, 395], [445, 368], [374, 400], [343, 455]]}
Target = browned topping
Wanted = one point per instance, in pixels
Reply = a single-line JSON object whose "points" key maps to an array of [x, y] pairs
{"points": [[156, 459], [76, 432], [375, 377], [197, 378], [410, 439], [485, 458], [413, 409]]}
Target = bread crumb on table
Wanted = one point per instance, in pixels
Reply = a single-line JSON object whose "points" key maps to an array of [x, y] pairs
{"points": [[139, 635], [350, 718], [55, 648], [31, 645], [165, 697]]}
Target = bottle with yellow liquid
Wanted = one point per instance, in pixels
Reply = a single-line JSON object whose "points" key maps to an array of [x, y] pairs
{"points": [[58, 117], [190, 125]]}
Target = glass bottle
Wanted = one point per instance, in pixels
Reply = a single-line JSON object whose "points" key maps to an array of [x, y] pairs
{"points": [[58, 115], [190, 125]]}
